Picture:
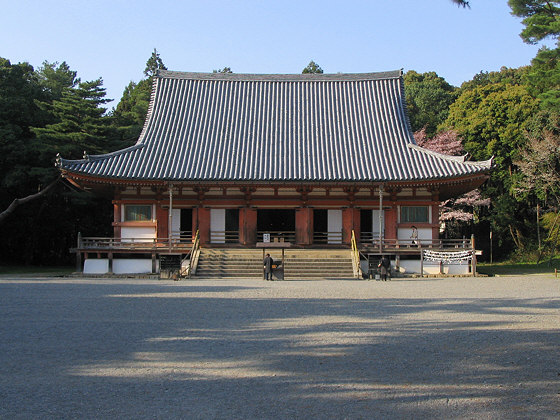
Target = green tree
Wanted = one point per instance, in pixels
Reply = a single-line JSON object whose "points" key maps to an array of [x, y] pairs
{"points": [[80, 122], [19, 88], [428, 98], [54, 78], [154, 64], [225, 70], [131, 111], [542, 21], [42, 230], [492, 118], [312, 68], [541, 18]]}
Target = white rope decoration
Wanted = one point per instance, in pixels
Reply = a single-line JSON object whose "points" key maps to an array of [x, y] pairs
{"points": [[447, 257]]}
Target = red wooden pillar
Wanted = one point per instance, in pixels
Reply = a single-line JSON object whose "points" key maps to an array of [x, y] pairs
{"points": [[435, 221], [162, 221], [350, 221], [203, 223], [247, 226], [304, 226], [116, 219], [391, 223]]}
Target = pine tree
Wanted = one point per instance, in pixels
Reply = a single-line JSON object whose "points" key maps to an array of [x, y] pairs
{"points": [[80, 122]]}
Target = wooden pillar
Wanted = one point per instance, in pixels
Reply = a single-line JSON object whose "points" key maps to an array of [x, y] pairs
{"points": [[203, 222], [350, 221], [162, 221], [435, 221], [117, 206], [79, 253], [391, 223], [247, 226], [304, 226], [110, 262]]}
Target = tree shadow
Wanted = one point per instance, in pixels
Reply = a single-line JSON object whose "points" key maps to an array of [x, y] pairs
{"points": [[200, 351]]}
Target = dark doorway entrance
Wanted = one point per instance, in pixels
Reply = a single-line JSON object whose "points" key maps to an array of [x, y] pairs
{"points": [[275, 220], [232, 225], [186, 225], [320, 226], [366, 221]]}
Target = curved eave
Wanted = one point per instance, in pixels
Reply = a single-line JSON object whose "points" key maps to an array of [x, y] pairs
{"points": [[446, 188]]}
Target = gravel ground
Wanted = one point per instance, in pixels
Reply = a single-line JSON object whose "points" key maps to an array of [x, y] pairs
{"points": [[480, 348]]}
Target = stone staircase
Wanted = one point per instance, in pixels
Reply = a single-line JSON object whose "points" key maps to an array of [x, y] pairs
{"points": [[304, 264]]}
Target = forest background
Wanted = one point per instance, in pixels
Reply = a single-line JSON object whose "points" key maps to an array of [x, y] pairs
{"points": [[512, 116]]}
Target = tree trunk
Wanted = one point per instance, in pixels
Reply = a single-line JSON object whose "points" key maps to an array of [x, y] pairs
{"points": [[19, 201]]}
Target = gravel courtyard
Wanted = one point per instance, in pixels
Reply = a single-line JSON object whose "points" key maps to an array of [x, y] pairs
{"points": [[248, 349]]}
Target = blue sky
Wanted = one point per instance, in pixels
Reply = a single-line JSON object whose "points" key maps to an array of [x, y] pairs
{"points": [[113, 39]]}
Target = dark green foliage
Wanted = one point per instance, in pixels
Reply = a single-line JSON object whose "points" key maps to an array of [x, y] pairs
{"points": [[20, 88], [542, 20], [130, 114], [154, 64], [428, 98], [543, 78], [68, 117], [225, 70], [540, 17], [312, 68], [54, 78], [131, 111], [492, 115]]}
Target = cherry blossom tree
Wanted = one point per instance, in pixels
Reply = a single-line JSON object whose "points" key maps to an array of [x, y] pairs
{"points": [[466, 208]]}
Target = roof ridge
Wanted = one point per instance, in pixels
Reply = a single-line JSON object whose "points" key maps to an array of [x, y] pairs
{"points": [[393, 74]]}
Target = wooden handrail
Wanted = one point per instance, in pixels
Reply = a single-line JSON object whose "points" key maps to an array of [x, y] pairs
{"points": [[355, 257], [194, 254]]}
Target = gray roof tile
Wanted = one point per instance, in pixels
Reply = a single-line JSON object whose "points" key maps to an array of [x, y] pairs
{"points": [[301, 128]]}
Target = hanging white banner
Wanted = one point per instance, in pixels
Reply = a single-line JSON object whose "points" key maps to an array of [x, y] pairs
{"points": [[447, 257]]}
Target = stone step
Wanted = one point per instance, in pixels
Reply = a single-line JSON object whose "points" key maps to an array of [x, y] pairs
{"points": [[308, 264]]}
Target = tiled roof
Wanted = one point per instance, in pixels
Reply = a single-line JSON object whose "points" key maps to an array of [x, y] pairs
{"points": [[272, 128]]}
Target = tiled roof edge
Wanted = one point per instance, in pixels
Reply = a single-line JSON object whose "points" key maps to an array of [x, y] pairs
{"points": [[149, 113], [280, 77], [460, 159], [61, 162]]}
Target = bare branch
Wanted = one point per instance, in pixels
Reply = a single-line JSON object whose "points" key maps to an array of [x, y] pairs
{"points": [[19, 201]]}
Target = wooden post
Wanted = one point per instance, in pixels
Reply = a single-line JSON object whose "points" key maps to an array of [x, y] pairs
{"points": [[473, 261], [421, 259], [381, 219], [154, 263], [110, 262], [170, 215], [79, 253]]}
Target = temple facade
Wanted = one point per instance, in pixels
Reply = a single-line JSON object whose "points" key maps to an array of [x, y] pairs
{"points": [[308, 160]]}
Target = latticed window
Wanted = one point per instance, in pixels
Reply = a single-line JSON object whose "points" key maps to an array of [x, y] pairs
{"points": [[135, 213], [414, 214]]}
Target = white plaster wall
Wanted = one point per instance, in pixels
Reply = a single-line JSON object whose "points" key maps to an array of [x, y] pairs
{"points": [[96, 266], [217, 226], [334, 222], [176, 222], [132, 266], [120, 266], [430, 267], [141, 233]]}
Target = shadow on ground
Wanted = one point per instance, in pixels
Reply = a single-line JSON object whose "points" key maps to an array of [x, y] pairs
{"points": [[146, 350]]}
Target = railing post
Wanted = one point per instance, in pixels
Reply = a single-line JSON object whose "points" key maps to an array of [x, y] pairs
{"points": [[421, 259], [79, 253], [473, 261]]}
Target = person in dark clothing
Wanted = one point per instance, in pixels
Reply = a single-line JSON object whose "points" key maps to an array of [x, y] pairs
{"points": [[384, 267], [267, 262]]}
